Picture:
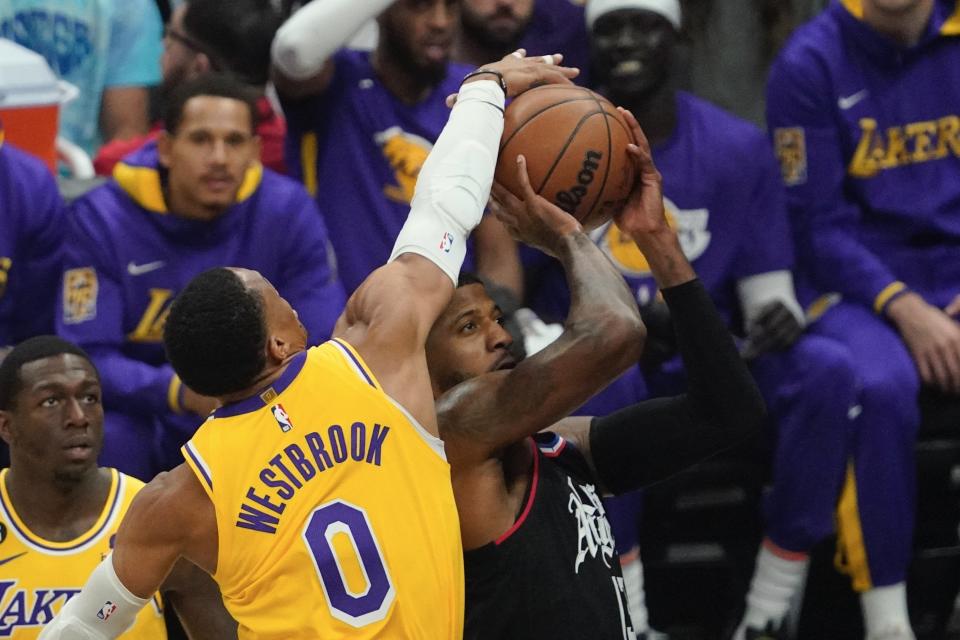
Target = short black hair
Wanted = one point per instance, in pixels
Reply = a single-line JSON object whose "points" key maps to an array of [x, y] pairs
{"points": [[30, 350], [235, 34], [467, 278], [216, 334], [220, 85]]}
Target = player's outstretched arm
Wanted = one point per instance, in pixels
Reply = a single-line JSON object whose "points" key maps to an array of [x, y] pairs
{"points": [[303, 45], [169, 518], [657, 438], [390, 315], [603, 336]]}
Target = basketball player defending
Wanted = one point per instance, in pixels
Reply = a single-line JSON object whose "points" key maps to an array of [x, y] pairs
{"points": [[318, 495], [539, 555]]}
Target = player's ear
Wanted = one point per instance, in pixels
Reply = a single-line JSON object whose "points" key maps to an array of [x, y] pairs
{"points": [[6, 426], [201, 64], [163, 148], [277, 349]]}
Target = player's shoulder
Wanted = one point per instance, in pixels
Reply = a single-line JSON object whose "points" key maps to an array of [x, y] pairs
{"points": [[352, 64], [23, 164], [728, 132], [26, 180], [131, 484], [817, 43], [564, 452], [276, 188]]}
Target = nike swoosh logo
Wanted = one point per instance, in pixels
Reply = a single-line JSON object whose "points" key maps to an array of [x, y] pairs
{"points": [[140, 269], [11, 558], [846, 102]]}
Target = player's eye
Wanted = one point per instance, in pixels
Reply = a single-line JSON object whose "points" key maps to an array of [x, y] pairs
{"points": [[236, 140], [468, 327], [91, 398], [501, 320], [49, 401]]}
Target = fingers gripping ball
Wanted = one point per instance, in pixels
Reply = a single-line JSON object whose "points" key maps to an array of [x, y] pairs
{"points": [[575, 143]]}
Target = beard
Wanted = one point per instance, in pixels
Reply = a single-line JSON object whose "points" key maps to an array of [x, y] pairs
{"points": [[476, 27], [402, 52]]}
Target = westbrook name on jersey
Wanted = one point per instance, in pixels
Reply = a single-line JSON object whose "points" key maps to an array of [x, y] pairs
{"points": [[335, 512]]}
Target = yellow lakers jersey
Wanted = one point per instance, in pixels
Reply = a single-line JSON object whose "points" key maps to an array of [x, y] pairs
{"points": [[335, 512], [38, 576]]}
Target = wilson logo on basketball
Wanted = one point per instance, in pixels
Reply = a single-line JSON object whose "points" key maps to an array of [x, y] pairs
{"points": [[570, 199]]}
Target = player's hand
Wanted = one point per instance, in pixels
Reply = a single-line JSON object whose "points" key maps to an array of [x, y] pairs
{"points": [[521, 73], [953, 309], [198, 404], [933, 338], [774, 328], [532, 219], [643, 217]]}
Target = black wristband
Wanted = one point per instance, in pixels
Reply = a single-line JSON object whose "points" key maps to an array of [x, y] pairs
{"points": [[493, 72]]}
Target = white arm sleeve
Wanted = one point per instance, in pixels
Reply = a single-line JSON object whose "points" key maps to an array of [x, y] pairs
{"points": [[103, 610], [756, 291], [312, 34], [454, 184]]}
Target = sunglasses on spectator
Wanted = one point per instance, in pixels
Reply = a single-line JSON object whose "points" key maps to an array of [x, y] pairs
{"points": [[170, 33]]}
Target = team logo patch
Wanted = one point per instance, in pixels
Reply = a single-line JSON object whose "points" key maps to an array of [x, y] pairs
{"points": [[79, 295], [107, 610], [791, 148], [283, 420]]}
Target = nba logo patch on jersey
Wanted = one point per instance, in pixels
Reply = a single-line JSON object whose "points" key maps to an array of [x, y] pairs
{"points": [[281, 417], [446, 242], [106, 610], [791, 148]]}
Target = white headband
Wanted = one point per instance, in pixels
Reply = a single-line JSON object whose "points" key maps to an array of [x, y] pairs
{"points": [[669, 9]]}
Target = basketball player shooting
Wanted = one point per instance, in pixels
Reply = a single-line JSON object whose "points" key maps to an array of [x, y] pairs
{"points": [[318, 495], [539, 555]]}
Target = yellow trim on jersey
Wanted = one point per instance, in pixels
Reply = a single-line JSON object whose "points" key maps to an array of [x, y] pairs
{"points": [[173, 394], [886, 294], [951, 27], [308, 160], [358, 361], [851, 556], [142, 184], [821, 305], [3, 134], [111, 506], [855, 7]]}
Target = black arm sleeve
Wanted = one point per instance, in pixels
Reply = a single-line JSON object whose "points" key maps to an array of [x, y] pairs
{"points": [[656, 438]]}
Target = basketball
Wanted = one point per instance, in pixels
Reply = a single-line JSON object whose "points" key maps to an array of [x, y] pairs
{"points": [[575, 142]]}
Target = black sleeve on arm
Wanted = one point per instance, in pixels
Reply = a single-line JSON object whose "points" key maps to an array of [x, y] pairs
{"points": [[656, 438]]}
